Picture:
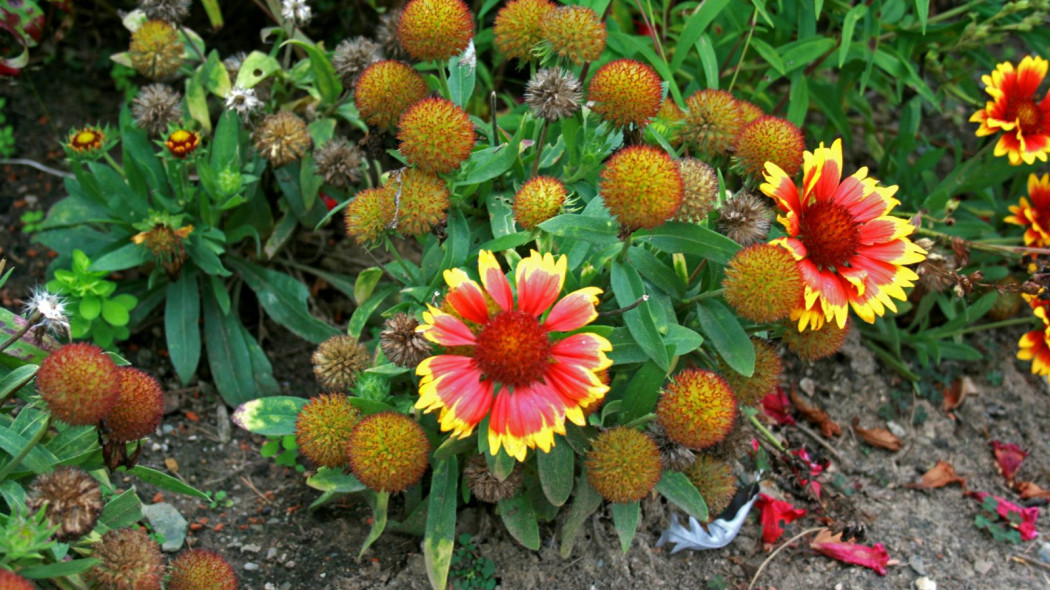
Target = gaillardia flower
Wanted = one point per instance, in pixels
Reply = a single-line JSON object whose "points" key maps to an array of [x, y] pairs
{"points": [[575, 33], [86, 140], [769, 139], [850, 249], [9, 580], [538, 200], [436, 135], [1035, 345], [1013, 110], [712, 122], [182, 143], [432, 30], [1034, 216], [623, 465], [505, 358], [642, 186], [200, 568], [385, 90], [625, 91], [517, 27]]}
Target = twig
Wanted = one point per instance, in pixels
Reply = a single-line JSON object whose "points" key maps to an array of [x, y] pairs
{"points": [[1029, 561], [37, 165], [251, 486], [626, 309], [778, 550]]}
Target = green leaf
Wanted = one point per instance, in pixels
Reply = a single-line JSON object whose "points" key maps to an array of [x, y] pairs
{"points": [[114, 313], [60, 569], [197, 101], [768, 53], [255, 68], [642, 392], [625, 350], [596, 230], [379, 506], [848, 24], [284, 300], [121, 511], [270, 416], [127, 256], [520, 519], [239, 367], [556, 470], [628, 288], [922, 8], [225, 144], [16, 379], [214, 76], [328, 84], [90, 307], [439, 539], [37, 460], [724, 331], [508, 241], [366, 283], [677, 488], [695, 26], [488, 163], [689, 238], [583, 505], [804, 52], [461, 78], [366, 309], [166, 482], [625, 519], [798, 98], [182, 312], [335, 480]]}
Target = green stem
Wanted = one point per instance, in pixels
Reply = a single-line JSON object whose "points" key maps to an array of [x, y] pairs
{"points": [[17, 459], [700, 297], [743, 52], [991, 326], [444, 77], [983, 246], [539, 146], [765, 432], [622, 256], [32, 321], [109, 159]]}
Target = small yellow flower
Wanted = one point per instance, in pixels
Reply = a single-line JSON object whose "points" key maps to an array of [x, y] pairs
{"points": [[86, 140], [182, 143]]}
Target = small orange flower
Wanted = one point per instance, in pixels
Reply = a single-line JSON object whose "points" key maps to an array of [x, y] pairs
{"points": [[182, 143], [625, 91], [1013, 110], [1034, 216], [88, 139]]}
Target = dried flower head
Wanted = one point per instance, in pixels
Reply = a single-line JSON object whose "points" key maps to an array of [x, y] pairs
{"points": [[385, 90], [282, 138], [156, 50], [700, 194], [715, 481], [86, 140], [811, 345], [745, 219], [487, 487], [243, 101], [296, 12], [369, 214], [48, 308], [435, 135], [625, 91], [517, 27], [352, 56], [421, 201], [323, 429], [71, 498], [766, 376], [769, 139], [386, 35], [163, 237], [339, 162], [401, 343], [173, 11], [182, 143], [198, 569], [762, 284], [675, 456], [712, 122], [553, 94], [641, 186], [233, 63], [538, 200], [156, 107], [9, 580], [388, 452], [575, 33], [79, 383], [697, 409], [139, 407], [338, 360], [130, 560], [623, 465], [433, 30]]}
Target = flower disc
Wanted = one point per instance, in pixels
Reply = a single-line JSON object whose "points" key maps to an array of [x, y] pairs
{"points": [[385, 90], [697, 409], [769, 139], [432, 30], [517, 27], [139, 407], [750, 390], [130, 560], [762, 284], [538, 200], [814, 344], [575, 33], [200, 569], [424, 201], [79, 383], [323, 427], [715, 481], [388, 452], [436, 135], [625, 91], [712, 122], [369, 215], [623, 465], [642, 186]]}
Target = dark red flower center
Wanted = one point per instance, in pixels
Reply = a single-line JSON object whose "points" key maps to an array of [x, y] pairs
{"points": [[513, 349], [1028, 116], [829, 233]]}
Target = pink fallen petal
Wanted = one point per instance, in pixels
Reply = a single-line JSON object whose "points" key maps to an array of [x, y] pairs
{"points": [[875, 557], [775, 514], [777, 406], [1008, 458], [1022, 519]]}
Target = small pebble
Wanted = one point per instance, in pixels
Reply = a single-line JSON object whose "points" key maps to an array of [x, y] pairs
{"points": [[290, 564], [271, 553], [250, 567], [250, 548], [1044, 552], [916, 564], [269, 586], [896, 429], [982, 566], [807, 385], [925, 583], [167, 429]]}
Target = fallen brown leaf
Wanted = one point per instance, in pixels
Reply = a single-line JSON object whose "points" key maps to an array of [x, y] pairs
{"points": [[171, 464], [1029, 490], [878, 437], [955, 394], [940, 475], [815, 416]]}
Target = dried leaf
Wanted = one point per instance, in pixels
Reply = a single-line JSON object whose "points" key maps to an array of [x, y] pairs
{"points": [[957, 392], [815, 416], [776, 514], [875, 557], [1008, 459], [1030, 491], [171, 464], [878, 437], [775, 405], [940, 475]]}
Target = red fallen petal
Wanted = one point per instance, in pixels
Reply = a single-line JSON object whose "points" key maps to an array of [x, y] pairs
{"points": [[875, 557], [1005, 508], [776, 405], [1008, 458], [329, 202], [776, 514]]}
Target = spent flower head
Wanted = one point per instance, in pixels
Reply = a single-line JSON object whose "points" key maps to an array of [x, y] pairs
{"points": [[50, 309], [156, 107], [553, 93], [156, 50], [339, 162], [745, 218], [352, 56], [71, 498], [173, 11], [243, 101], [296, 12], [129, 560], [282, 138]]}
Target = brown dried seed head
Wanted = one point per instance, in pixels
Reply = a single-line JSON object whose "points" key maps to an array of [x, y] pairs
{"points": [[401, 343], [73, 501]]}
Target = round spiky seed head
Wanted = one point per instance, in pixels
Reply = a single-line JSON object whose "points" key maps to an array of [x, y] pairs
{"points": [[173, 11], [131, 560], [139, 408], [156, 107], [623, 465], [401, 343], [200, 569], [700, 195], [697, 409], [388, 452], [385, 90], [750, 390], [338, 360], [675, 456], [538, 200], [517, 27], [763, 283], [436, 135], [712, 122], [282, 138], [745, 219], [769, 139], [749, 111], [323, 428], [339, 162], [811, 345], [487, 487], [642, 186], [553, 93], [433, 30], [156, 51], [715, 481], [73, 501], [575, 33], [424, 201], [386, 35], [352, 56], [79, 383], [625, 91], [9, 580], [369, 215]]}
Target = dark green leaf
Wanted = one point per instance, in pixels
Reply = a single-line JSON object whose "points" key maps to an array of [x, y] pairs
{"points": [[166, 482], [182, 312], [689, 238], [596, 230], [121, 511], [677, 488], [695, 26], [488, 163], [328, 83], [284, 300], [439, 539], [520, 519], [239, 368], [724, 331], [16, 379], [365, 311], [625, 519], [556, 470], [461, 77], [60, 569], [642, 392], [127, 256], [328, 479], [379, 506], [628, 288], [583, 505]]}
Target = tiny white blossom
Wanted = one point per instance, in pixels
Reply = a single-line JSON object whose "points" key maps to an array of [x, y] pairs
{"points": [[242, 100], [296, 12], [51, 307]]}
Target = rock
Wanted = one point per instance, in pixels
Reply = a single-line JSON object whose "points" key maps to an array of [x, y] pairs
{"points": [[250, 566], [169, 523], [897, 430], [1044, 552], [222, 423], [271, 553], [916, 564], [250, 548], [808, 386], [982, 566], [925, 583]]}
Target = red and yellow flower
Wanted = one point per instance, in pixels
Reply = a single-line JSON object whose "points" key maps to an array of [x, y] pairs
{"points": [[1035, 345], [1013, 110], [851, 251], [505, 358], [1034, 216]]}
